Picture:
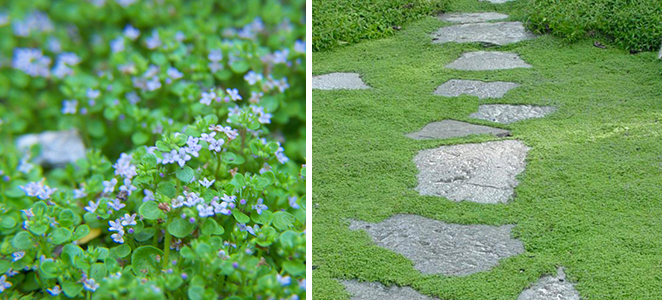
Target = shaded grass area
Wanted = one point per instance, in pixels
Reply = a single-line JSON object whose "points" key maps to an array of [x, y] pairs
{"points": [[341, 22], [590, 199]]}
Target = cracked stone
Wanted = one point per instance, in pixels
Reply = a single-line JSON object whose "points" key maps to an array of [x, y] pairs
{"points": [[57, 147], [377, 291], [506, 114], [488, 60], [472, 17], [551, 288], [483, 173], [339, 81], [450, 128], [480, 89], [501, 33], [436, 247]]}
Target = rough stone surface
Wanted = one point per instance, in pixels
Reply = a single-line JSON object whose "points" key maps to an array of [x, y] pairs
{"points": [[488, 60], [506, 114], [496, 1], [436, 247], [483, 173], [501, 33], [472, 17], [57, 147], [450, 128], [377, 291], [480, 89], [551, 288], [339, 81]]}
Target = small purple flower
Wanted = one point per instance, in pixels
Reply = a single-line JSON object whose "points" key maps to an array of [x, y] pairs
{"points": [[153, 41], [293, 202], [205, 210], [149, 195], [115, 226], [252, 78], [69, 107], [259, 207], [177, 202], [116, 204], [206, 183], [208, 137], [4, 284], [17, 255], [55, 290], [234, 94], [109, 186], [129, 220], [131, 33], [92, 206], [90, 284], [174, 73]]}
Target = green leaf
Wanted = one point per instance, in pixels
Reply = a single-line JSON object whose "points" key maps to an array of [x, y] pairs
{"points": [[196, 293], [149, 160], [262, 219], [167, 188], [98, 271], [185, 174], [8, 222], [239, 66], [122, 251], [4, 265], [209, 227], [22, 240], [49, 268], [294, 268], [180, 228], [144, 260], [71, 289], [81, 232], [150, 210], [139, 138], [38, 229], [187, 253], [70, 251], [162, 146], [66, 218], [60, 236], [240, 217], [145, 234], [283, 220]]}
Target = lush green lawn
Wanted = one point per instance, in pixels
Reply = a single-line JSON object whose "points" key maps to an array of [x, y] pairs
{"points": [[590, 198]]}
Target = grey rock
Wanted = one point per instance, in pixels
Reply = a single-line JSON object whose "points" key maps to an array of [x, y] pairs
{"points": [[436, 247], [483, 173], [450, 128], [551, 288], [488, 60], [377, 291], [339, 81], [496, 1], [501, 33], [57, 147], [506, 114], [472, 17], [480, 89]]}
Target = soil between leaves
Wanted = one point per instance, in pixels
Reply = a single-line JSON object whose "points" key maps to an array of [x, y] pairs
{"points": [[590, 198]]}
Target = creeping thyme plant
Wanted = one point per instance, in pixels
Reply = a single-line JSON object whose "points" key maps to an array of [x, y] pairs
{"points": [[192, 183]]}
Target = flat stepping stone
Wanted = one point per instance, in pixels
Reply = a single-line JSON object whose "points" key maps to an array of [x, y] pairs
{"points": [[377, 291], [472, 17], [57, 147], [480, 89], [501, 33], [488, 60], [450, 128], [551, 288], [436, 247], [506, 114], [483, 173], [339, 81]]}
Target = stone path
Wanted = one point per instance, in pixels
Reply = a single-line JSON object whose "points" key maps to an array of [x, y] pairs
{"points": [[436, 247], [501, 33], [339, 81], [480, 89], [484, 173], [472, 17], [506, 114], [488, 60], [450, 128]]}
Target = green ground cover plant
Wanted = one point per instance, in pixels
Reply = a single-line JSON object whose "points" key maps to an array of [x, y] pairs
{"points": [[589, 199], [631, 25], [193, 116], [342, 22]]}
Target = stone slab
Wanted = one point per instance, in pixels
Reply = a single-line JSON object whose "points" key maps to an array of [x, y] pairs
{"points": [[480, 89], [488, 60], [482, 173], [57, 147], [436, 247], [500, 33], [450, 128], [472, 17], [551, 288], [377, 291], [506, 114], [339, 81]]}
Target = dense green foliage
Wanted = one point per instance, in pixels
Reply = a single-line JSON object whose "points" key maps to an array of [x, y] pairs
{"points": [[589, 199], [633, 25], [193, 117], [341, 22]]}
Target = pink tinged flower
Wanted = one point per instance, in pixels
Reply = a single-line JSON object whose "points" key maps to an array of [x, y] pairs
{"points": [[205, 210], [92, 206], [230, 133], [206, 183], [109, 186], [90, 284], [69, 107], [234, 94], [4, 284]]}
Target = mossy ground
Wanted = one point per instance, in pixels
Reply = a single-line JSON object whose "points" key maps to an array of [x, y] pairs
{"points": [[590, 199]]}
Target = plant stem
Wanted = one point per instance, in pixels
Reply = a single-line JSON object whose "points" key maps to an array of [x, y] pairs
{"points": [[166, 244]]}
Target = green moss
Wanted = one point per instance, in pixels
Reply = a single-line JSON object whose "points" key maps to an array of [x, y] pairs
{"points": [[589, 199]]}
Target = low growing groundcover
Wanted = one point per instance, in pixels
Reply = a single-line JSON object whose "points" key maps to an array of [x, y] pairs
{"points": [[152, 149], [589, 199]]}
